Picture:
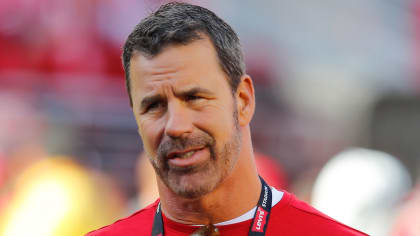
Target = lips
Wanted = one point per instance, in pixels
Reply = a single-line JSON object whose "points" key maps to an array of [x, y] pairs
{"points": [[186, 158], [183, 154]]}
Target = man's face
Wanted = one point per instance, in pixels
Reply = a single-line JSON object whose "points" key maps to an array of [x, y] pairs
{"points": [[186, 116]]}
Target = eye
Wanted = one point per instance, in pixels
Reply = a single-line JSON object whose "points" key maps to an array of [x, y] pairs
{"points": [[155, 106], [192, 97]]}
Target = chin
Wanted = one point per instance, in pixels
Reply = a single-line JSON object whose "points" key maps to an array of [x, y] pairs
{"points": [[195, 185], [198, 183]]}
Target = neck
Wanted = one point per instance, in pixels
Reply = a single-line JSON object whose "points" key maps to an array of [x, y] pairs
{"points": [[236, 195]]}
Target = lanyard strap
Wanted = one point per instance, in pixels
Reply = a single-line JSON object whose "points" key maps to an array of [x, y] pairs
{"points": [[259, 223], [262, 214], [157, 229]]}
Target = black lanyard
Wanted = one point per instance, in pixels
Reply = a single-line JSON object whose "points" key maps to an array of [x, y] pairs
{"points": [[259, 223]]}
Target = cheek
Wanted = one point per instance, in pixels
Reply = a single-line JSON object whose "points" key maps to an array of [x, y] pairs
{"points": [[216, 122], [150, 133]]}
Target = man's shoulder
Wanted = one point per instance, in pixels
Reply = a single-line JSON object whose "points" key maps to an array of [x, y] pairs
{"points": [[302, 217], [139, 223]]}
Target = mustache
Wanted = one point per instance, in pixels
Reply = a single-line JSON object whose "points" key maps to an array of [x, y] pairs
{"points": [[171, 144]]}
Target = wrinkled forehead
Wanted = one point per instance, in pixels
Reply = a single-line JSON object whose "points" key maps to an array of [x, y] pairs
{"points": [[191, 65], [197, 59]]}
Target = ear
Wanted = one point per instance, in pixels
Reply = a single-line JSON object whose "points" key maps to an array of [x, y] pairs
{"points": [[245, 100]]}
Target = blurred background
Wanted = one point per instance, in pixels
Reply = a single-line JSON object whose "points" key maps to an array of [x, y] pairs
{"points": [[337, 120]]}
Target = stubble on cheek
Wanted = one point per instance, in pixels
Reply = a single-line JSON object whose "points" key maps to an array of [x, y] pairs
{"points": [[196, 181], [190, 181]]}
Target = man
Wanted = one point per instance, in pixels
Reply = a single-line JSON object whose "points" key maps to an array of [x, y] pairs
{"points": [[193, 104]]}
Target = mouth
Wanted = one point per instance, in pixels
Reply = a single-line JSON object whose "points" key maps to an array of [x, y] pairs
{"points": [[184, 153], [187, 158]]}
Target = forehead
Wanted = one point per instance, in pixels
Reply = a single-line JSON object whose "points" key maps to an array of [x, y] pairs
{"points": [[193, 64]]}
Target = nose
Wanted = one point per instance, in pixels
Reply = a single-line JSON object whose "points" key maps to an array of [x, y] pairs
{"points": [[178, 121]]}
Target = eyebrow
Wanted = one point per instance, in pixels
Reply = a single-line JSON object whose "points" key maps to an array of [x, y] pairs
{"points": [[193, 91], [188, 92]]}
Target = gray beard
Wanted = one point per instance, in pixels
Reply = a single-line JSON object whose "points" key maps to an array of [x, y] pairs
{"points": [[205, 178]]}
